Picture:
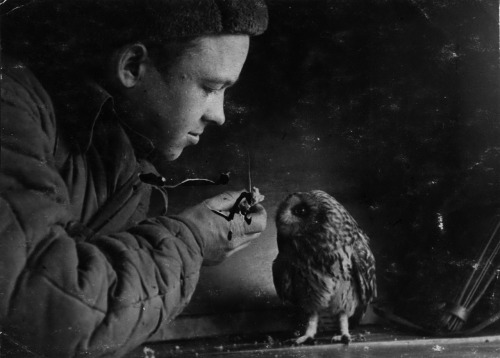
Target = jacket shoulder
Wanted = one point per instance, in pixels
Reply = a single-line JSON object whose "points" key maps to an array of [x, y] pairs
{"points": [[18, 78], [23, 94]]}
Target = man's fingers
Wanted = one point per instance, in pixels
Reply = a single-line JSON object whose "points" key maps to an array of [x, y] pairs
{"points": [[238, 248], [237, 244], [259, 219]]}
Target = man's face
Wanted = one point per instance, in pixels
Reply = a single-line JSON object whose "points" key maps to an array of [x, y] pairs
{"points": [[173, 106]]}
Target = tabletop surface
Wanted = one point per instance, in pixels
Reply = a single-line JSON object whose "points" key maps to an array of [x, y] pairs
{"points": [[369, 342]]}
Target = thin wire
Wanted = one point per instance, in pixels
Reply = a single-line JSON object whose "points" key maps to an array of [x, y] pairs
{"points": [[493, 275], [462, 293], [249, 168], [479, 280], [486, 265], [477, 283]]}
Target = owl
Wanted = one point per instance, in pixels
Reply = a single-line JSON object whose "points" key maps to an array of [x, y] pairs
{"points": [[324, 265]]}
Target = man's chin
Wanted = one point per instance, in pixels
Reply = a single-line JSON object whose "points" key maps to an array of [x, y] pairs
{"points": [[168, 156]]}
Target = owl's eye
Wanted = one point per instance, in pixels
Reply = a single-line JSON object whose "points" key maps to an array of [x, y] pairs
{"points": [[300, 210]]}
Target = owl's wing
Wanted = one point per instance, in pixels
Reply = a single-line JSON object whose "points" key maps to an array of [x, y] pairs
{"points": [[364, 270], [282, 278]]}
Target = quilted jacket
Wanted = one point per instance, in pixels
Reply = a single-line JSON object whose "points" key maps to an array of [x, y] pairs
{"points": [[83, 271]]}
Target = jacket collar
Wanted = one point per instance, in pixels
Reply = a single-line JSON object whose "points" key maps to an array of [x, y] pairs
{"points": [[81, 107], [78, 108]]}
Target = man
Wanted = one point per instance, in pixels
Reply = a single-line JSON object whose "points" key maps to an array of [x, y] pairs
{"points": [[94, 95]]}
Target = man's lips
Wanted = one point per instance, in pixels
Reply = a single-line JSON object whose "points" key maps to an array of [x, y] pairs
{"points": [[194, 137]]}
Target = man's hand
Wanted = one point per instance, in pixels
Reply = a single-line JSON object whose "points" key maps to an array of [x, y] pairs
{"points": [[222, 238]]}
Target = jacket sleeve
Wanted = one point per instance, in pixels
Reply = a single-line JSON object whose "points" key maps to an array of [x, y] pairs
{"points": [[58, 296]]}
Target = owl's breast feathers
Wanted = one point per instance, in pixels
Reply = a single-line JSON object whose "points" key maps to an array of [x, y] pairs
{"points": [[317, 276]]}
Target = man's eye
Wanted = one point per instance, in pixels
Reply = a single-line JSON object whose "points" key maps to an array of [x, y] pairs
{"points": [[211, 90]]}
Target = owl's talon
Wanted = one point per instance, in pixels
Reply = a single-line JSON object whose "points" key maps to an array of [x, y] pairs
{"points": [[344, 338], [307, 340]]}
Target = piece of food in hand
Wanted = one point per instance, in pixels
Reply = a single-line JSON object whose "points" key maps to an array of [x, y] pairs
{"points": [[253, 198], [257, 197]]}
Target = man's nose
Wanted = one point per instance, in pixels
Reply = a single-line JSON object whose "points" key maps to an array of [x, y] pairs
{"points": [[215, 110]]}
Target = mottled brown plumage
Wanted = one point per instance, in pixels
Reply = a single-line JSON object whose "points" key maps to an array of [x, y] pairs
{"points": [[324, 261]]}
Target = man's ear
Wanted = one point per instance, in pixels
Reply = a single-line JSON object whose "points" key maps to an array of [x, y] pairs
{"points": [[130, 64]]}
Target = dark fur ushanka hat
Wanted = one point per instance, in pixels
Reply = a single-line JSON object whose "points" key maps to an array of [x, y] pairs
{"points": [[186, 18], [166, 19], [63, 26]]}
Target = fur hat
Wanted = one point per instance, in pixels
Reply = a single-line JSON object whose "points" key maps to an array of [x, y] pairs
{"points": [[63, 26], [129, 19], [183, 18]]}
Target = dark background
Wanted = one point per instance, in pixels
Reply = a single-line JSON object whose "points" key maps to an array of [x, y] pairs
{"points": [[390, 106]]}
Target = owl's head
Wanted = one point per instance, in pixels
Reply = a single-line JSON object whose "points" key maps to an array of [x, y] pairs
{"points": [[308, 213]]}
